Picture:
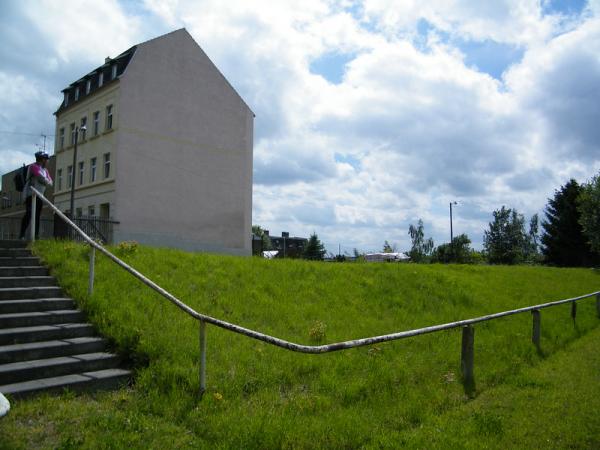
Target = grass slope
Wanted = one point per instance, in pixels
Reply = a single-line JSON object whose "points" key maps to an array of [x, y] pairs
{"points": [[260, 396]]}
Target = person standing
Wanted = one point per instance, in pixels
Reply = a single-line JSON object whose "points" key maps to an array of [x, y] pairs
{"points": [[37, 177]]}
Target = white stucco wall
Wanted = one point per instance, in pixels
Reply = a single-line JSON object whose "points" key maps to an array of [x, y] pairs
{"points": [[184, 157]]}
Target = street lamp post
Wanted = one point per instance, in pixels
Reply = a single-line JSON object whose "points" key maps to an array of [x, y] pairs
{"points": [[72, 206], [451, 234]]}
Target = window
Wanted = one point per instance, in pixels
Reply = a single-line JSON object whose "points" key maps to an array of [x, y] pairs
{"points": [[92, 170], [96, 122], [106, 165], [88, 86], [100, 79], [72, 127], [113, 72], [91, 210], [59, 179], [61, 138], [109, 117], [69, 177], [81, 171], [78, 212], [77, 93], [83, 127], [105, 210], [66, 98]]}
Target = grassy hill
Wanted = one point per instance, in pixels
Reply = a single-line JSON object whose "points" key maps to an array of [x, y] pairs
{"points": [[400, 393]]}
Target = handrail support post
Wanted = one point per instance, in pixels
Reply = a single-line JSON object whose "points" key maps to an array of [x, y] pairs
{"points": [[202, 357], [467, 358], [33, 217], [92, 270], [537, 322], [598, 304], [573, 311]]}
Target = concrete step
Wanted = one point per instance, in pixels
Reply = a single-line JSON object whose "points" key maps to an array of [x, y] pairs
{"points": [[24, 271], [35, 305], [13, 243], [32, 319], [27, 281], [15, 252], [16, 293], [50, 349], [54, 367], [98, 380], [21, 335], [23, 261]]}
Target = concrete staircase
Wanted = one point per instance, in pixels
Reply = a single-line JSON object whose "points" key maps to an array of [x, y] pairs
{"points": [[45, 343]]}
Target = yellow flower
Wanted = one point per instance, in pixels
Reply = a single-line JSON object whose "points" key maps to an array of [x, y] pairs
{"points": [[217, 396]]}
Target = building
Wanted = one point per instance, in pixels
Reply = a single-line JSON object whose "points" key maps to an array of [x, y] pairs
{"points": [[288, 247], [12, 208], [164, 147]]}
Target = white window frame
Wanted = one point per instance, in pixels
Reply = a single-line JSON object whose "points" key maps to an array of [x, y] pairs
{"points": [[81, 166], [61, 138], [93, 170], [77, 93], [96, 123], [109, 117], [88, 86], [100, 79], [69, 177], [59, 179], [106, 165]]}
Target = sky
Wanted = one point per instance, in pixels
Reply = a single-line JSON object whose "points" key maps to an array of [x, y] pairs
{"points": [[370, 115]]}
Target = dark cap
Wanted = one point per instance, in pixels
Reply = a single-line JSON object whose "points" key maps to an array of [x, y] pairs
{"points": [[41, 155]]}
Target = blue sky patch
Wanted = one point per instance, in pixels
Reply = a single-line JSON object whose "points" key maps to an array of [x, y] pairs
{"points": [[566, 7], [490, 57], [354, 162], [331, 66]]}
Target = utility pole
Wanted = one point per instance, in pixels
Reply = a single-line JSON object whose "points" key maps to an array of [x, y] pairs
{"points": [[451, 234], [77, 129]]}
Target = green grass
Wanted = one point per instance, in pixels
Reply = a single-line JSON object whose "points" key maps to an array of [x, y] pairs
{"points": [[261, 396]]}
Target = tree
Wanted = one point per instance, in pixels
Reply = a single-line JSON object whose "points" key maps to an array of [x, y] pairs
{"points": [[387, 248], [459, 251], [421, 248], [506, 241], [563, 241], [314, 248], [589, 208], [266, 241]]}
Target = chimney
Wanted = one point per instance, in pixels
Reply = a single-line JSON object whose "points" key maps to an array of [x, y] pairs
{"points": [[285, 234], [107, 60], [266, 232]]}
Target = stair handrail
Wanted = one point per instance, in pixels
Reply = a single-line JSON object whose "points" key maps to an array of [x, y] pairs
{"points": [[466, 324]]}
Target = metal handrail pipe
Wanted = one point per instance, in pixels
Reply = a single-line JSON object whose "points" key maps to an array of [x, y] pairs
{"points": [[313, 349]]}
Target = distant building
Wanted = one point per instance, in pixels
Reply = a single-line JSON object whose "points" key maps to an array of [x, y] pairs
{"points": [[288, 247], [167, 151], [388, 257], [12, 208]]}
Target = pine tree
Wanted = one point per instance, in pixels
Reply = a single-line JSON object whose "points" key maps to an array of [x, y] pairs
{"points": [[563, 241], [589, 209], [314, 248]]}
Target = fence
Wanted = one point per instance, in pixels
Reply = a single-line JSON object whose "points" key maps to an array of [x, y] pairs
{"points": [[468, 331], [99, 229]]}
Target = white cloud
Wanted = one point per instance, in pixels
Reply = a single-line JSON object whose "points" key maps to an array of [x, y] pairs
{"points": [[409, 128]]}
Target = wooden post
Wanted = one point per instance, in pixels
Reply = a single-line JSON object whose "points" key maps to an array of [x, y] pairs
{"points": [[535, 336], [598, 304], [33, 217], [202, 357], [573, 310], [91, 270], [467, 358]]}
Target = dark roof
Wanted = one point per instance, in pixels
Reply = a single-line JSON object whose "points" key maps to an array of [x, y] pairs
{"points": [[121, 63]]}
